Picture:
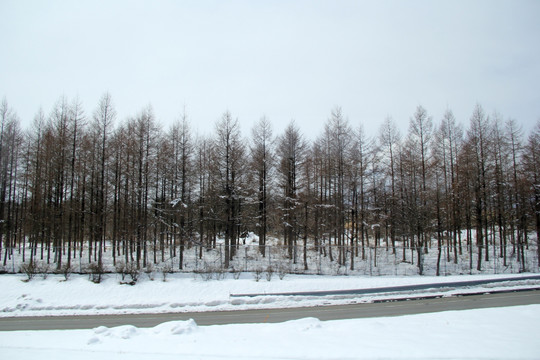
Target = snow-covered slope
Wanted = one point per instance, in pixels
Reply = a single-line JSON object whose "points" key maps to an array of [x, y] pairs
{"points": [[188, 292]]}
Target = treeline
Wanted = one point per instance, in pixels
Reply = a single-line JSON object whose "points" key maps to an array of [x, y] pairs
{"points": [[77, 184]]}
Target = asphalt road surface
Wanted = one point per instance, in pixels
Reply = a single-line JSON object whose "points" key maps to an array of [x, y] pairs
{"points": [[414, 287], [363, 310]]}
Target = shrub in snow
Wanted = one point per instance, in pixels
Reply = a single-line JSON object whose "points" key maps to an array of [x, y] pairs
{"points": [[66, 270], [269, 273], [95, 270], [149, 270], [220, 273], [166, 270], [257, 274], [29, 269], [236, 273], [121, 269], [282, 270], [133, 271], [33, 268], [43, 270], [209, 272], [206, 272]]}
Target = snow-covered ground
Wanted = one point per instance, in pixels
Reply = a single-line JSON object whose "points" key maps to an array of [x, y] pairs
{"points": [[189, 292], [499, 333]]}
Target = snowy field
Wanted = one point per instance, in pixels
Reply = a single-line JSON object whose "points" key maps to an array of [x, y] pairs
{"points": [[500, 333], [190, 292]]}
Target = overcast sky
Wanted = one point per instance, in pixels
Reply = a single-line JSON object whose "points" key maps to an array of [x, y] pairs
{"points": [[283, 59]]}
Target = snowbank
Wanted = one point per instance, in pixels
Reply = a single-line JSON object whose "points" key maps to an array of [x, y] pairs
{"points": [[186, 293], [500, 333]]}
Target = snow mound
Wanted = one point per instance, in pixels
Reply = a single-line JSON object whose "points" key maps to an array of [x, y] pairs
{"points": [[128, 332], [176, 328], [124, 332], [305, 324]]}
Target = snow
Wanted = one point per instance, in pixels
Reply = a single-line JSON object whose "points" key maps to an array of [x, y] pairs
{"points": [[496, 333], [499, 333], [190, 292]]}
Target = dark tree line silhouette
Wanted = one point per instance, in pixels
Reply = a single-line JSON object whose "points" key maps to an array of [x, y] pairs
{"points": [[76, 184]]}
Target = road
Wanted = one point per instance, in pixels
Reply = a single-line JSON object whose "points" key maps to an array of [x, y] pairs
{"points": [[407, 288], [362, 310]]}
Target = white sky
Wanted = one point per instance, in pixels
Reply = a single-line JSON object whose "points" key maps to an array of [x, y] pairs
{"points": [[283, 59]]}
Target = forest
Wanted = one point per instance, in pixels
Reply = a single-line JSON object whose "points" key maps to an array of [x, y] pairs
{"points": [[80, 184]]}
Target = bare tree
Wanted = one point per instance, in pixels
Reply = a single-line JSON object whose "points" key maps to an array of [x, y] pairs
{"points": [[104, 117], [291, 150], [361, 157], [519, 197], [500, 155], [448, 143], [229, 151], [10, 147], [532, 167], [207, 194], [68, 188], [478, 134], [77, 122], [390, 139], [420, 136], [262, 163], [182, 148], [340, 140]]}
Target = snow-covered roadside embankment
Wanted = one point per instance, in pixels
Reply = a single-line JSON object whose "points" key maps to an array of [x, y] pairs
{"points": [[184, 293]]}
